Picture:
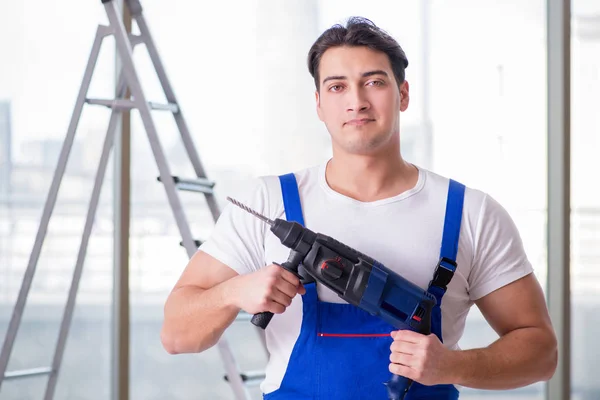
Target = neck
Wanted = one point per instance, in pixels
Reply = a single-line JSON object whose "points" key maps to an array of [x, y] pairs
{"points": [[370, 177]]}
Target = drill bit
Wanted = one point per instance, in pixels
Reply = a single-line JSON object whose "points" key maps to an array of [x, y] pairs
{"points": [[251, 211]]}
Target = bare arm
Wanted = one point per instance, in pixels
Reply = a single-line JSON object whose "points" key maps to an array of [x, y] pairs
{"points": [[524, 354], [209, 295], [199, 308], [526, 351]]}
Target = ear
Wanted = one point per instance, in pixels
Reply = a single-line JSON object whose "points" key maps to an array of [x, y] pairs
{"points": [[318, 101], [404, 96]]}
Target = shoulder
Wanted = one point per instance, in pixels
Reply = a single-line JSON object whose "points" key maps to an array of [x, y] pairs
{"points": [[483, 216], [270, 186], [474, 199], [487, 222]]}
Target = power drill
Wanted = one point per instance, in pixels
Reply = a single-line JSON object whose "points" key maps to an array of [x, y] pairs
{"points": [[354, 277]]}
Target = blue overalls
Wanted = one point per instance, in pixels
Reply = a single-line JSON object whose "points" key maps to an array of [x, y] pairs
{"points": [[343, 352]]}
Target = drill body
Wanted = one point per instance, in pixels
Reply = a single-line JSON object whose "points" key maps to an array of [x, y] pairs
{"points": [[367, 284], [355, 277]]}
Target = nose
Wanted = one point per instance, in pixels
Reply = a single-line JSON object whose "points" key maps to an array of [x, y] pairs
{"points": [[357, 101]]}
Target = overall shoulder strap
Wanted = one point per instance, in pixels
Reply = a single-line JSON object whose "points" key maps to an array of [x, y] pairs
{"points": [[291, 198], [449, 249]]}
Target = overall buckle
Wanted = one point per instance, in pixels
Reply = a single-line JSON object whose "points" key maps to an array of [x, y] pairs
{"points": [[444, 271]]}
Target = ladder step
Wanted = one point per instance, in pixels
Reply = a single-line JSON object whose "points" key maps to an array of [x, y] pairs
{"points": [[124, 104], [250, 377], [112, 103], [174, 108], [135, 39], [196, 241], [202, 185], [24, 373]]}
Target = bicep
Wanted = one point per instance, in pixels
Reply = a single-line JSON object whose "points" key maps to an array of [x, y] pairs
{"points": [[204, 271], [520, 304]]}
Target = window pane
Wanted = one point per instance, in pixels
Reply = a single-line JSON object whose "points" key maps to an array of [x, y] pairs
{"points": [[488, 106], [585, 199], [44, 49]]}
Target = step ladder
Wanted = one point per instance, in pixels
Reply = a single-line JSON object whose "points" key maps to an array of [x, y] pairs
{"points": [[128, 79]]}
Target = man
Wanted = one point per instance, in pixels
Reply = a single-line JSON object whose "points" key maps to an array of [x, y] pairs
{"points": [[369, 198]]}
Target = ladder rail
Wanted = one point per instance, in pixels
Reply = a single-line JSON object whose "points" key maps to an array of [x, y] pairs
{"points": [[188, 142], [126, 53]]}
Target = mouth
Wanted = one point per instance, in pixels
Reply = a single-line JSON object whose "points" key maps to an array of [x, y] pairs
{"points": [[359, 121]]}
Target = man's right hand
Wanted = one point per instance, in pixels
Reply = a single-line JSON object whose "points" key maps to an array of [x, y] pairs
{"points": [[209, 295], [271, 288]]}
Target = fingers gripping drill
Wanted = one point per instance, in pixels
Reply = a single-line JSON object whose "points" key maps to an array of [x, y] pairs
{"points": [[356, 278]]}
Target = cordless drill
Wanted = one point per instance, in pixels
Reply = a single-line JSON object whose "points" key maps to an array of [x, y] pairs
{"points": [[354, 277]]}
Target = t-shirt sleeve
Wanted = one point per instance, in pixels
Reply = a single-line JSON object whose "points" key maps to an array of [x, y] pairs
{"points": [[237, 239], [499, 256]]}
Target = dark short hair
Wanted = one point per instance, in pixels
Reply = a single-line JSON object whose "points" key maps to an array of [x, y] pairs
{"points": [[358, 32]]}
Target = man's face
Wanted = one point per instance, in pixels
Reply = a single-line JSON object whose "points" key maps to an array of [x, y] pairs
{"points": [[359, 100]]}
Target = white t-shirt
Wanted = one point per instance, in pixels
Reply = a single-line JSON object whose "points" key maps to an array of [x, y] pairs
{"points": [[403, 232]]}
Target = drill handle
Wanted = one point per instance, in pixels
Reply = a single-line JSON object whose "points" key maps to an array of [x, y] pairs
{"points": [[262, 319], [397, 387]]}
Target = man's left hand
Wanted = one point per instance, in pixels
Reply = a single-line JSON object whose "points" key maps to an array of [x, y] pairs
{"points": [[422, 358]]}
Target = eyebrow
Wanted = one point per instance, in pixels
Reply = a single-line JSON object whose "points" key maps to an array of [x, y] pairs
{"points": [[364, 75]]}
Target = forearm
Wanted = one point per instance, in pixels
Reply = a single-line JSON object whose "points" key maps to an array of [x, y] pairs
{"points": [[195, 319], [519, 358]]}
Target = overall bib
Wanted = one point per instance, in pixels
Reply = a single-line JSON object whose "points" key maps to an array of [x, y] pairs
{"points": [[343, 352]]}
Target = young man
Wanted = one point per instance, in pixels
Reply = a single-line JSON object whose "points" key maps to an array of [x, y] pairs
{"points": [[369, 198]]}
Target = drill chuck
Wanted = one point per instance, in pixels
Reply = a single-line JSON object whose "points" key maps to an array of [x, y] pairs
{"points": [[294, 236]]}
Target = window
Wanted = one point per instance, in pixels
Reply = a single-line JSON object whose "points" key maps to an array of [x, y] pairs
{"points": [[585, 202], [488, 105], [43, 63], [477, 114]]}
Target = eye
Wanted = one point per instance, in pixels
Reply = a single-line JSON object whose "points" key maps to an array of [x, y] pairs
{"points": [[375, 83], [335, 88]]}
